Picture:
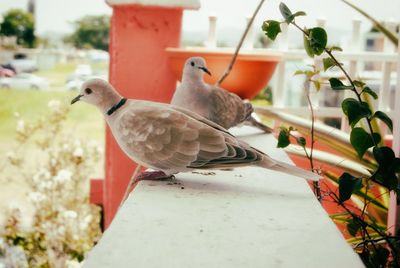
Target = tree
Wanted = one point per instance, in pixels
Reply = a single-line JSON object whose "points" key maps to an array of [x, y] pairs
{"points": [[91, 32], [20, 24]]}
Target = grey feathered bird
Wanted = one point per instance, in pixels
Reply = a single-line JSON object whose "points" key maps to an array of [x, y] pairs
{"points": [[172, 139], [214, 103]]}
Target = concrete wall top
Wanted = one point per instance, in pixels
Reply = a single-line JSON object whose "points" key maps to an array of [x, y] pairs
{"points": [[185, 4]]}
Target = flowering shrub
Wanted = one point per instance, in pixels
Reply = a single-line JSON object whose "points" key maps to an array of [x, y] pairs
{"points": [[64, 226]]}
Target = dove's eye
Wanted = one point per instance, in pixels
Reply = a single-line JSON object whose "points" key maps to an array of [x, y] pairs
{"points": [[192, 63], [88, 90]]}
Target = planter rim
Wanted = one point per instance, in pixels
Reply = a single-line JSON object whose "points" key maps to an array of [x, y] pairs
{"points": [[184, 4], [255, 54]]}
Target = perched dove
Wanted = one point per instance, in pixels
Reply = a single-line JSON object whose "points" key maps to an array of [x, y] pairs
{"points": [[172, 139], [212, 102]]}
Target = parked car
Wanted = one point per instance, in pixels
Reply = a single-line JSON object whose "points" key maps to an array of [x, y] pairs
{"points": [[24, 65], [6, 72], [76, 83], [81, 72], [24, 81]]}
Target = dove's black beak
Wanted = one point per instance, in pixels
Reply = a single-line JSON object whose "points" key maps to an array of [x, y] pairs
{"points": [[204, 69], [76, 98]]}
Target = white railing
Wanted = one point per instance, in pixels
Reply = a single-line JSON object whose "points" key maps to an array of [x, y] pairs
{"points": [[354, 57]]}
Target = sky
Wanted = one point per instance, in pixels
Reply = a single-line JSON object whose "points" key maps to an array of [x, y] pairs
{"points": [[57, 15]]}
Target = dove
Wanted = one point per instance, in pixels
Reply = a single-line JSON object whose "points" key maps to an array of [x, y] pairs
{"points": [[171, 139], [214, 103]]}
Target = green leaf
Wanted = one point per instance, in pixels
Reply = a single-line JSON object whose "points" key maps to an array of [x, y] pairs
{"points": [[299, 13], [317, 84], [336, 84], [379, 257], [301, 141], [369, 91], [298, 72], [353, 227], [362, 141], [318, 40], [283, 138], [307, 46], [335, 48], [384, 156], [347, 185], [286, 13], [358, 83], [271, 28], [385, 119], [355, 110], [389, 164], [328, 63]]}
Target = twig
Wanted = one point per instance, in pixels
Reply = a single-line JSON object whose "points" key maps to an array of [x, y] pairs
{"points": [[368, 241], [228, 70], [354, 89], [316, 184], [364, 225]]}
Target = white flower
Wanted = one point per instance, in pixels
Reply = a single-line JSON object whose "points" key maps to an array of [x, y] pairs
{"points": [[36, 197], [72, 264], [63, 175], [85, 222], [61, 230], [16, 257], [14, 206], [78, 152], [70, 214], [45, 185], [65, 146], [53, 162], [54, 104], [93, 144], [43, 174], [20, 125]]}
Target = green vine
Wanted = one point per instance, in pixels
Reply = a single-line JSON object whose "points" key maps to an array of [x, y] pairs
{"points": [[387, 172]]}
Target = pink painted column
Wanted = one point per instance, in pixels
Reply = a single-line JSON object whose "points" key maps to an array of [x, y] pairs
{"points": [[140, 32]]}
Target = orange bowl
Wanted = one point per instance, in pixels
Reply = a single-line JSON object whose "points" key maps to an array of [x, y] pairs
{"points": [[250, 74]]}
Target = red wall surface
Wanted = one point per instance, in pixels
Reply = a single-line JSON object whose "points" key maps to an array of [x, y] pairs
{"points": [[139, 69]]}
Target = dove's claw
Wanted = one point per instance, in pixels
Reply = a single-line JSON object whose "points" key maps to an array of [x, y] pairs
{"points": [[153, 176]]}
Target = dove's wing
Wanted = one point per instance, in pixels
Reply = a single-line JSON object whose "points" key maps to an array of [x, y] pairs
{"points": [[173, 140], [227, 109]]}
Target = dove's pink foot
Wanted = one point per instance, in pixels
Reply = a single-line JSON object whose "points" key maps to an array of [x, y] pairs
{"points": [[148, 175]]}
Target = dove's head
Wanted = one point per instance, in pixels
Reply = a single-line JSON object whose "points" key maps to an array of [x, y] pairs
{"points": [[99, 93], [195, 67]]}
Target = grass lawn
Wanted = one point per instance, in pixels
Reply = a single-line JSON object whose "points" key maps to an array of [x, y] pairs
{"points": [[83, 121], [31, 105]]}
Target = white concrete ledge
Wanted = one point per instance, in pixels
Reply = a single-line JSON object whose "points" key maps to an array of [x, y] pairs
{"points": [[249, 217], [185, 4]]}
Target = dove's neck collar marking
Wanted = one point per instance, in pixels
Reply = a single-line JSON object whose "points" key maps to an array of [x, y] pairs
{"points": [[116, 106]]}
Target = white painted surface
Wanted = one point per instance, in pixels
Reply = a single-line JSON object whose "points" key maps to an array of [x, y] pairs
{"points": [[248, 217], [187, 4]]}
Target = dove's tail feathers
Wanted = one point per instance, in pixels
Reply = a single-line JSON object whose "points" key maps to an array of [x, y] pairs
{"points": [[251, 121], [290, 169]]}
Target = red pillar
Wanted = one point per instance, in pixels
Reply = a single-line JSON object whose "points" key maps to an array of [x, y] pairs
{"points": [[139, 69]]}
